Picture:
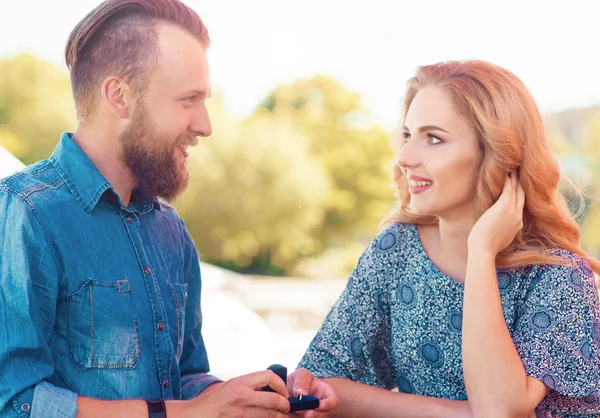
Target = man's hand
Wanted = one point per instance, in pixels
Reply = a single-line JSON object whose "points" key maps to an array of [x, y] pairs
{"points": [[241, 397], [303, 382]]}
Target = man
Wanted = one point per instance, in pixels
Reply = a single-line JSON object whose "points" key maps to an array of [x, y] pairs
{"points": [[99, 279]]}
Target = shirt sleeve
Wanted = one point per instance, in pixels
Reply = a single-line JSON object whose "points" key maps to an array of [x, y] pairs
{"points": [[354, 339], [28, 295], [557, 332], [193, 364]]}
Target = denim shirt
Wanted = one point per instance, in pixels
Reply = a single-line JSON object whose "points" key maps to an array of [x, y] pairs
{"points": [[96, 299]]}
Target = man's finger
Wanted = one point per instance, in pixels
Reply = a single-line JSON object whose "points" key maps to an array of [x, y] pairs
{"points": [[257, 380], [269, 400], [263, 413]]}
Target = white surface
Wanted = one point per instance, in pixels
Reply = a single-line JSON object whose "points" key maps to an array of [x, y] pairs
{"points": [[8, 163], [237, 340]]}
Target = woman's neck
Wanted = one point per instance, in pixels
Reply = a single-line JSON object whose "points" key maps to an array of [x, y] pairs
{"points": [[446, 246]]}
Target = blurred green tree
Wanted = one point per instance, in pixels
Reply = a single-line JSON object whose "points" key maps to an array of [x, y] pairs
{"points": [[355, 153], [591, 151], [36, 106], [256, 197]]}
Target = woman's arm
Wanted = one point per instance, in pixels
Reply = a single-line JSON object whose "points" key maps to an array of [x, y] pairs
{"points": [[495, 378], [359, 400]]}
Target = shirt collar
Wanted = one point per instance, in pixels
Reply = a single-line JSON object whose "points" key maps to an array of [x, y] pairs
{"points": [[85, 181]]}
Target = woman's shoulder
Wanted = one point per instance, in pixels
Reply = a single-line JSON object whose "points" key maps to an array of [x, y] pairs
{"points": [[571, 263], [569, 273], [391, 243], [394, 241], [394, 238]]}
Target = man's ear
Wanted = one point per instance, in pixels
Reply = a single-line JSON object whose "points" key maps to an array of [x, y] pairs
{"points": [[117, 95]]}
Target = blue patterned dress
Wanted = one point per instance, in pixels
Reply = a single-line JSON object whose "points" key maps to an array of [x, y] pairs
{"points": [[398, 324]]}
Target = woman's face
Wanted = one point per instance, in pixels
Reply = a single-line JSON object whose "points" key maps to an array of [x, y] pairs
{"points": [[440, 157]]}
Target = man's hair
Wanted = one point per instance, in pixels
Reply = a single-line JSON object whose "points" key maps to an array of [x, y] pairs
{"points": [[120, 37]]}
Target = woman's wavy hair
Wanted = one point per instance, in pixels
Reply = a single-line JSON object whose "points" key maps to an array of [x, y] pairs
{"points": [[512, 138]]}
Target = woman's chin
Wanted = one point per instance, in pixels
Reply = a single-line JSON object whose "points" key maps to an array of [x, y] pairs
{"points": [[420, 210]]}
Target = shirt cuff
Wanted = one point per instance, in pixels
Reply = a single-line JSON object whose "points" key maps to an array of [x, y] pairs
{"points": [[22, 403], [52, 402], [194, 384]]}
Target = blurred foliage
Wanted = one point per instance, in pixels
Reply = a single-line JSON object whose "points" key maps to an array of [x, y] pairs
{"points": [[298, 187], [36, 106], [591, 149], [257, 198], [356, 154]]}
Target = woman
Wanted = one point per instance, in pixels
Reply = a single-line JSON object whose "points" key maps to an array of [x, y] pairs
{"points": [[477, 287]]}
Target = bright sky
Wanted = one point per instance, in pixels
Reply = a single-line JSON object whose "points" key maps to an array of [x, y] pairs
{"points": [[372, 46]]}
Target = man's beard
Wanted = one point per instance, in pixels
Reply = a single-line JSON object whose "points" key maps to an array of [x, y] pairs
{"points": [[152, 157]]}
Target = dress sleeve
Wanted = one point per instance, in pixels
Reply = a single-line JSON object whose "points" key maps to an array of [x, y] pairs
{"points": [[557, 331], [354, 339]]}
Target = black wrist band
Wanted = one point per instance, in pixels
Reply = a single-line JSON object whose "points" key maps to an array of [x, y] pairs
{"points": [[156, 409]]}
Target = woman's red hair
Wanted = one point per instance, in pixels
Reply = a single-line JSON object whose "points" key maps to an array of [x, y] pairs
{"points": [[512, 136]]}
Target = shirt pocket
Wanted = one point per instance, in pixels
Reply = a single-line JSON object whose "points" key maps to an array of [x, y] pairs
{"points": [[179, 294], [103, 325]]}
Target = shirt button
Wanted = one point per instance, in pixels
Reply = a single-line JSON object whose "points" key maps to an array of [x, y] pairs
{"points": [[25, 407], [129, 219], [165, 383], [160, 326], [148, 270]]}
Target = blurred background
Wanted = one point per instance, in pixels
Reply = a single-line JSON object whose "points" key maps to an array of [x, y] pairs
{"points": [[292, 184]]}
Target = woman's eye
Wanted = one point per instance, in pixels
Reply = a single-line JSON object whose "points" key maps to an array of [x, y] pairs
{"points": [[434, 140]]}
